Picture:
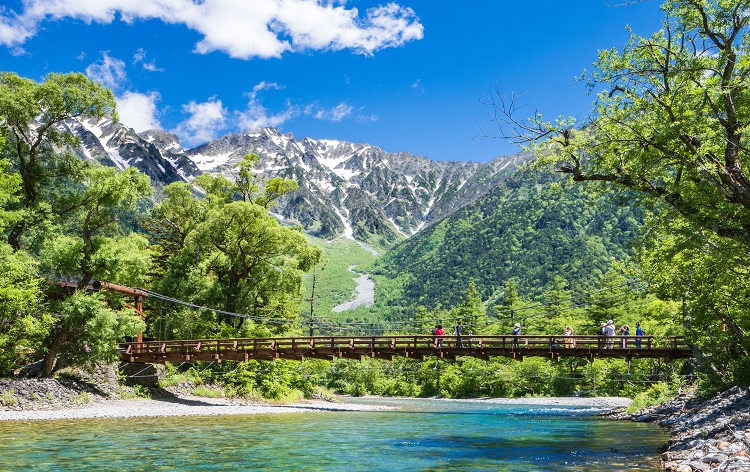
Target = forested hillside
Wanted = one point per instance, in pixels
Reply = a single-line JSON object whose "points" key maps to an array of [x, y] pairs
{"points": [[528, 229]]}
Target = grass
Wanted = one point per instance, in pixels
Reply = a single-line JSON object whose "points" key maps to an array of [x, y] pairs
{"points": [[208, 392], [136, 391], [83, 397], [8, 398], [334, 283], [655, 395]]}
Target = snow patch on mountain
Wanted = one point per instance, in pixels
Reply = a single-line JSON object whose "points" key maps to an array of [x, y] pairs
{"points": [[207, 163], [348, 229], [356, 191]]}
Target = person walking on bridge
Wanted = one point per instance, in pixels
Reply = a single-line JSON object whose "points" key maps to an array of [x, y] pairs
{"points": [[610, 334], [458, 331], [516, 333], [568, 333], [439, 332], [625, 331], [638, 333], [602, 333]]}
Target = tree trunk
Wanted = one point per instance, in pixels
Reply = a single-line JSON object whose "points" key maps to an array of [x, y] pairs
{"points": [[55, 346], [706, 366]]}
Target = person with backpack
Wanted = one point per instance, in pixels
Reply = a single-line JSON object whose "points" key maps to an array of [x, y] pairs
{"points": [[610, 334], [602, 333], [458, 331], [516, 333], [625, 331]]}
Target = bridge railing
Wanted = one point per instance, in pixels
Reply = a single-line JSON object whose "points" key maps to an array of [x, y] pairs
{"points": [[399, 343]]}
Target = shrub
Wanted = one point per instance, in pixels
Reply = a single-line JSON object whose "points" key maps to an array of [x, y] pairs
{"points": [[8, 398]]}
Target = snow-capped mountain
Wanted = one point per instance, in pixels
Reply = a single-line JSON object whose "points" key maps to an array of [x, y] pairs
{"points": [[345, 189], [114, 144]]}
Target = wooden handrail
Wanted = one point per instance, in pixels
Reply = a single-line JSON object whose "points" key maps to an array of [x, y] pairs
{"points": [[407, 345]]}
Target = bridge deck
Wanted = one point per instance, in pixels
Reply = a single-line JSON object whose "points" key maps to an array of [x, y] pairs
{"points": [[389, 347]]}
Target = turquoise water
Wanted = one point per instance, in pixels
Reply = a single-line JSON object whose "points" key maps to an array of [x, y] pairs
{"points": [[419, 435]]}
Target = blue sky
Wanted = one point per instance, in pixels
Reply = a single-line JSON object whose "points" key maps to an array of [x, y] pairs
{"points": [[407, 76]]}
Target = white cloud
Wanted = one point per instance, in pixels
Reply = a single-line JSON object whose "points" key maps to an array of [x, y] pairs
{"points": [[257, 116], [337, 113], [240, 28], [110, 72], [205, 122], [138, 110], [140, 58]]}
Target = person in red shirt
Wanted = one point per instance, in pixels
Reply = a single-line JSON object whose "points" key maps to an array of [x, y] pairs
{"points": [[439, 332]]}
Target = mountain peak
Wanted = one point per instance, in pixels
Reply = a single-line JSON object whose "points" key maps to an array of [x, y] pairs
{"points": [[355, 190]]}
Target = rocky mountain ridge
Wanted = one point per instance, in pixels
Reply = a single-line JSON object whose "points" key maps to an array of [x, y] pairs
{"points": [[345, 189]]}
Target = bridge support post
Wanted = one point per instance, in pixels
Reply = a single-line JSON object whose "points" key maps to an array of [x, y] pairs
{"points": [[146, 375]]}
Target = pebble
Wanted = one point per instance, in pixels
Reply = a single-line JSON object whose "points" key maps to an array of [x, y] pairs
{"points": [[62, 398]]}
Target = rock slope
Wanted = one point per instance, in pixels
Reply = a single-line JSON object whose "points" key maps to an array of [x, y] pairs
{"points": [[345, 189], [710, 435]]}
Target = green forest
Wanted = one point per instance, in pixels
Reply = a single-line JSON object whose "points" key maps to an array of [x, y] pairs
{"points": [[639, 213]]}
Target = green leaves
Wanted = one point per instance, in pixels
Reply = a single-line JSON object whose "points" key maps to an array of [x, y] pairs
{"points": [[670, 124], [92, 328], [225, 251], [29, 112]]}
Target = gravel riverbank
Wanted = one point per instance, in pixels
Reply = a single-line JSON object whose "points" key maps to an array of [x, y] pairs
{"points": [[178, 406], [40, 399], [50, 399], [707, 435]]}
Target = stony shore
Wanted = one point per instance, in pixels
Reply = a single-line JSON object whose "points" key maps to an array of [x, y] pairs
{"points": [[50, 399], [707, 435]]}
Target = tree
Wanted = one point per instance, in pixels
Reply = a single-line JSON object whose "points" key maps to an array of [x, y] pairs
{"points": [[670, 121], [30, 113], [94, 246], [471, 310], [92, 227], [559, 309], [510, 310], [10, 183], [227, 252], [61, 219], [24, 323], [710, 282], [86, 328], [252, 257], [669, 126]]}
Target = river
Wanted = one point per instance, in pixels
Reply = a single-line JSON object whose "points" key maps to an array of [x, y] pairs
{"points": [[413, 435]]}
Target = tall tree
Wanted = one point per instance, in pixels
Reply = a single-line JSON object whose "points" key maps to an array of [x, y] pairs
{"points": [[93, 245], [669, 122], [29, 115], [670, 126], [225, 251], [471, 310]]}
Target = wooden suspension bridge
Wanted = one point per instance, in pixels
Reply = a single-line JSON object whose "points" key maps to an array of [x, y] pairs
{"points": [[418, 347]]}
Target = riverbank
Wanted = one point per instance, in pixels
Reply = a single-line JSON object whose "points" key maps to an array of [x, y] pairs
{"points": [[707, 435], [176, 406], [51, 399], [48, 399]]}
